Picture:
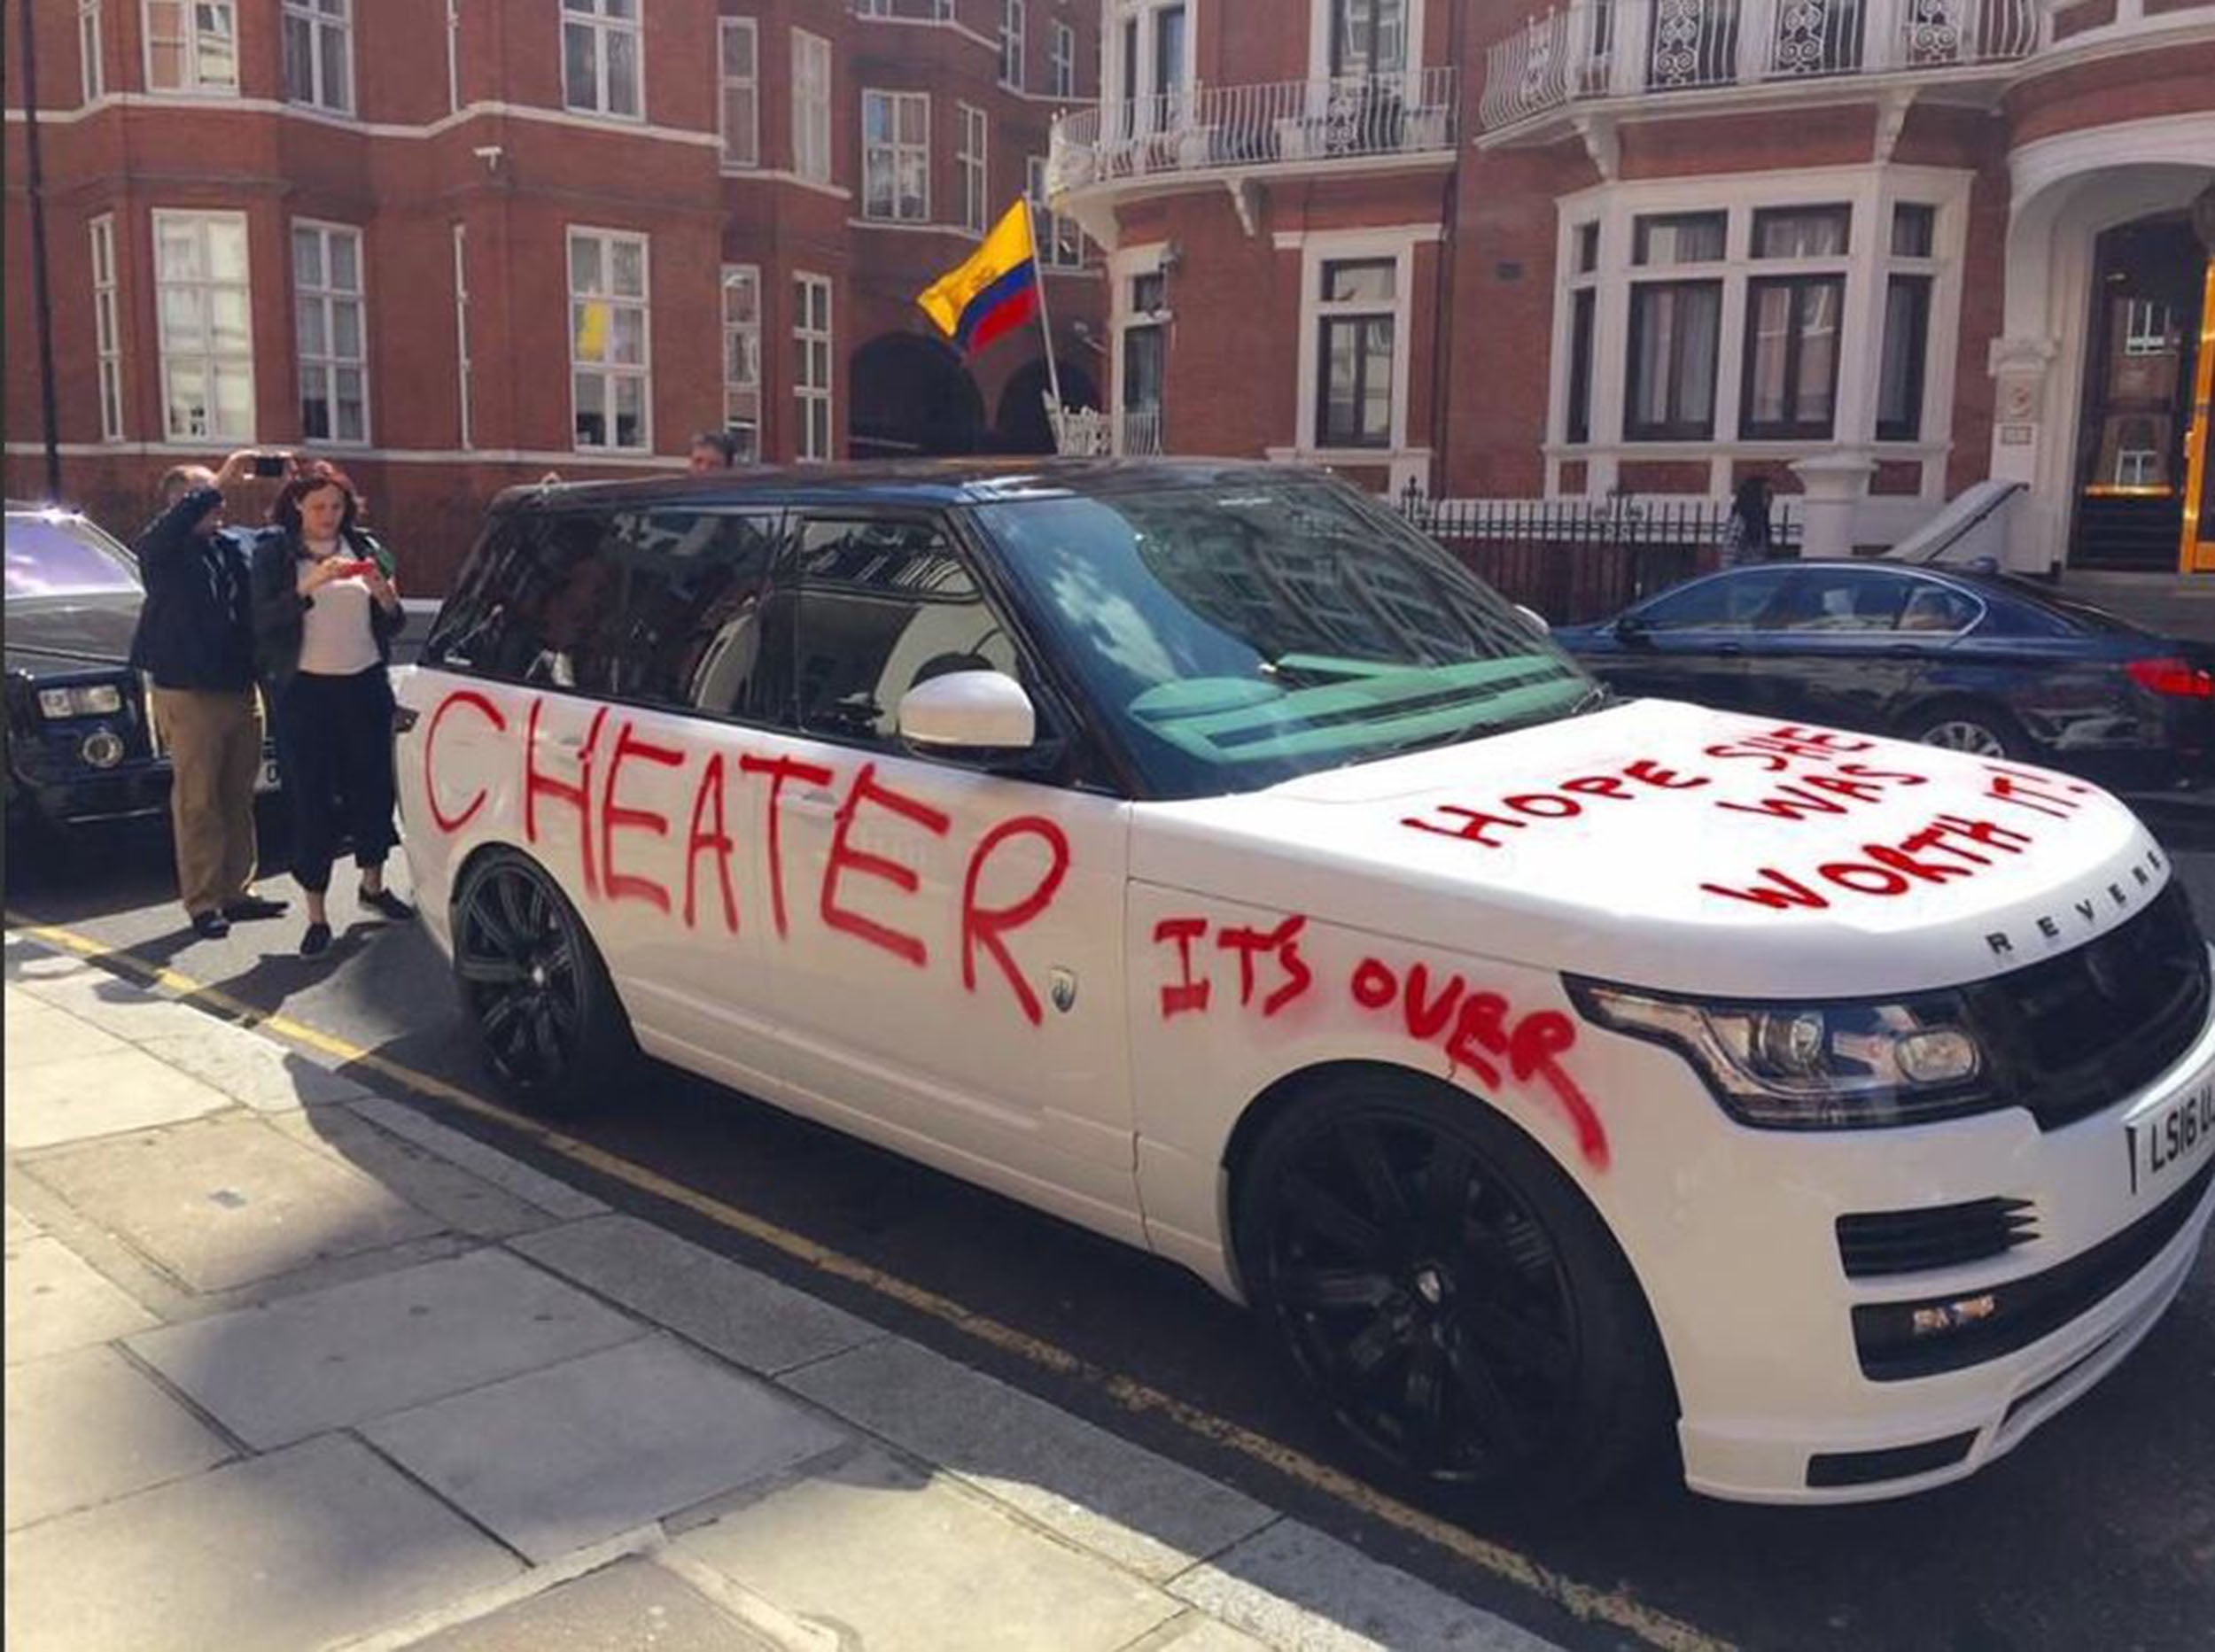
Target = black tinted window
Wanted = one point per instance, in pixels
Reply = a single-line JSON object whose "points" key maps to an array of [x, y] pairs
{"points": [[1729, 602], [659, 606], [1840, 598], [883, 605]]}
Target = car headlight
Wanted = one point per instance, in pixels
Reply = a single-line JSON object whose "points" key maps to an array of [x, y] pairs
{"points": [[85, 700], [1827, 1066]]}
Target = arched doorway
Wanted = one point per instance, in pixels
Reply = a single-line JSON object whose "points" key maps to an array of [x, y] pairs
{"points": [[1021, 426], [908, 397]]}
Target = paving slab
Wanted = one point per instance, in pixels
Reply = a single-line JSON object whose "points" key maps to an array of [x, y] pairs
{"points": [[224, 1202], [456, 1198], [57, 1301], [105, 1093], [747, 1317], [319, 1543], [251, 1068], [37, 1032], [87, 1427], [21, 1229], [556, 1198], [568, 1456], [920, 1564], [119, 1008], [1116, 1499], [334, 1358], [631, 1606], [1196, 1632], [1294, 1588]]}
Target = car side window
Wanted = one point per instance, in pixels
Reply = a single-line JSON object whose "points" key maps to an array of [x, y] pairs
{"points": [[542, 606], [1937, 607], [690, 632], [1732, 602], [882, 604], [1839, 600]]}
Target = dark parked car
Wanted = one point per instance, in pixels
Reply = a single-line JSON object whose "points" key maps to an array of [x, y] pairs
{"points": [[80, 746], [1979, 661]]}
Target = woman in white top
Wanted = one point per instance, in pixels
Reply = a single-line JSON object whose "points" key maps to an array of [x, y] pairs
{"points": [[325, 612]]}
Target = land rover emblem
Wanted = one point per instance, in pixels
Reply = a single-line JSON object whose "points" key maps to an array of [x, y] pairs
{"points": [[1061, 988]]}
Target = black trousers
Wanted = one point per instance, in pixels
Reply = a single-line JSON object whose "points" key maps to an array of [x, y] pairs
{"points": [[335, 755]]}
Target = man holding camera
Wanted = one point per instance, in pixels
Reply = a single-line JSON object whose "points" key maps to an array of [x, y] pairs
{"points": [[195, 641]]}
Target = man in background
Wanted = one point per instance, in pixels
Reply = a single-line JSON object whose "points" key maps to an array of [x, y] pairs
{"points": [[195, 641]]}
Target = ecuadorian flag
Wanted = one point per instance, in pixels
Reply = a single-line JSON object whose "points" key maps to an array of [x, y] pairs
{"points": [[995, 290]]}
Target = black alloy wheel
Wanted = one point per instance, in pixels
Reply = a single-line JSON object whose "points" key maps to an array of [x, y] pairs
{"points": [[1450, 1296], [534, 985]]}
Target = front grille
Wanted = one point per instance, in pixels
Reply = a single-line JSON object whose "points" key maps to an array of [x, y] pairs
{"points": [[2076, 1034], [1879, 1242], [2022, 1310]]}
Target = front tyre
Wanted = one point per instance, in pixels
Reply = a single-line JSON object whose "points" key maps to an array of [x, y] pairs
{"points": [[534, 986], [1447, 1293]]}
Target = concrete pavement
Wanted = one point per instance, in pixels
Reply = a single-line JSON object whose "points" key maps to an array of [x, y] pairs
{"points": [[290, 1365]]}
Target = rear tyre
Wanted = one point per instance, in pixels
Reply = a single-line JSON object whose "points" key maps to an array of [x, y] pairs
{"points": [[1448, 1293], [1970, 726], [536, 988]]}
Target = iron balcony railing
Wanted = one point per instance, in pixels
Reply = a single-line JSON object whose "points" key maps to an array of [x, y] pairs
{"points": [[1086, 432], [1217, 128], [1595, 49]]}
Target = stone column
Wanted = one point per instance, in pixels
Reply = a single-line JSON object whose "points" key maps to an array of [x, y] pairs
{"points": [[1834, 484]]}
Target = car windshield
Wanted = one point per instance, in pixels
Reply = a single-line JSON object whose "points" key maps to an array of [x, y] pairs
{"points": [[1248, 633], [64, 556]]}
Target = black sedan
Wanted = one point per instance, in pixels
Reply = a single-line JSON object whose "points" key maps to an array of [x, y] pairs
{"points": [[80, 744], [1979, 661]]}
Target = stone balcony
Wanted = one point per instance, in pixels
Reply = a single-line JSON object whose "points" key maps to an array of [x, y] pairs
{"points": [[1237, 134]]}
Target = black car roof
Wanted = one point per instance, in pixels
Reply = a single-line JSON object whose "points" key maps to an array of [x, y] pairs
{"points": [[912, 482], [1988, 583]]}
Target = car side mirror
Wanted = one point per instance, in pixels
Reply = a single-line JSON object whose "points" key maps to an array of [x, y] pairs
{"points": [[1532, 617], [968, 712], [1630, 628]]}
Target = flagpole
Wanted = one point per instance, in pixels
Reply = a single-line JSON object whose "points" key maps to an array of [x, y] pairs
{"points": [[1046, 327]]}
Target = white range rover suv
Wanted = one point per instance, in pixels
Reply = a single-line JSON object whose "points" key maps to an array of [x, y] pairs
{"points": [[1196, 852]]}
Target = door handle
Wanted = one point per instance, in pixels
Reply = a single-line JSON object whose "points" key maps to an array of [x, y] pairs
{"points": [[1905, 650], [1730, 648]]}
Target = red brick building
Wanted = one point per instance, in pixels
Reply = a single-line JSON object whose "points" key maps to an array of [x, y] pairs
{"points": [[455, 244], [1878, 249]]}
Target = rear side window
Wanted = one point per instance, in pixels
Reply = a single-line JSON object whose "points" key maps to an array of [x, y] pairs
{"points": [[659, 606], [1730, 602], [882, 606], [1839, 600]]}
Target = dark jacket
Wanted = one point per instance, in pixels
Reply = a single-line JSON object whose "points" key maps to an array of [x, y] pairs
{"points": [[279, 607], [196, 629]]}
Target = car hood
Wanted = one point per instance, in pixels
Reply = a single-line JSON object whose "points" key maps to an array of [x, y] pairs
{"points": [[1667, 845], [47, 635]]}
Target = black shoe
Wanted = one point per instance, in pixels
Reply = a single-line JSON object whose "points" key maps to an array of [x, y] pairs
{"points": [[316, 940], [386, 904], [251, 906], [210, 925]]}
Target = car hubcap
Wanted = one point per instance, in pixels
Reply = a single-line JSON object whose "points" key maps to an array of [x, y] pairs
{"points": [[1957, 735], [517, 962], [1421, 1295]]}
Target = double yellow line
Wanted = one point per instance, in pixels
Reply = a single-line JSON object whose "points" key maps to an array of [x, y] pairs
{"points": [[1611, 1607]]}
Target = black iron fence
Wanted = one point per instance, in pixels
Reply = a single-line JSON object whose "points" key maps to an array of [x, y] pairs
{"points": [[1575, 560]]}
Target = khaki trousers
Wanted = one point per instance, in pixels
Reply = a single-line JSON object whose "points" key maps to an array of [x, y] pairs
{"points": [[213, 738]]}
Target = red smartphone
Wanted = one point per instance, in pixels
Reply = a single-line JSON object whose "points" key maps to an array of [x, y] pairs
{"points": [[348, 567]]}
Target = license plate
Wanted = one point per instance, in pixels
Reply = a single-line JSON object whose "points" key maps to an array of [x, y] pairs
{"points": [[2169, 1143], [265, 779]]}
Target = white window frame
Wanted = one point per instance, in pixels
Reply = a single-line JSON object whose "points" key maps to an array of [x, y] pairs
{"points": [[329, 298], [1395, 246], [319, 18], [610, 373], [107, 334], [972, 158], [891, 153], [810, 106], [92, 74], [601, 19], [742, 347], [806, 393], [1320, 15], [193, 43], [1060, 243], [207, 357], [1013, 25], [738, 156], [1872, 190], [1135, 22], [1061, 60], [463, 406]]}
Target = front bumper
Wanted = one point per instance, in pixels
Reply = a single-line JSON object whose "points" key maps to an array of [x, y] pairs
{"points": [[1743, 1269]]}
